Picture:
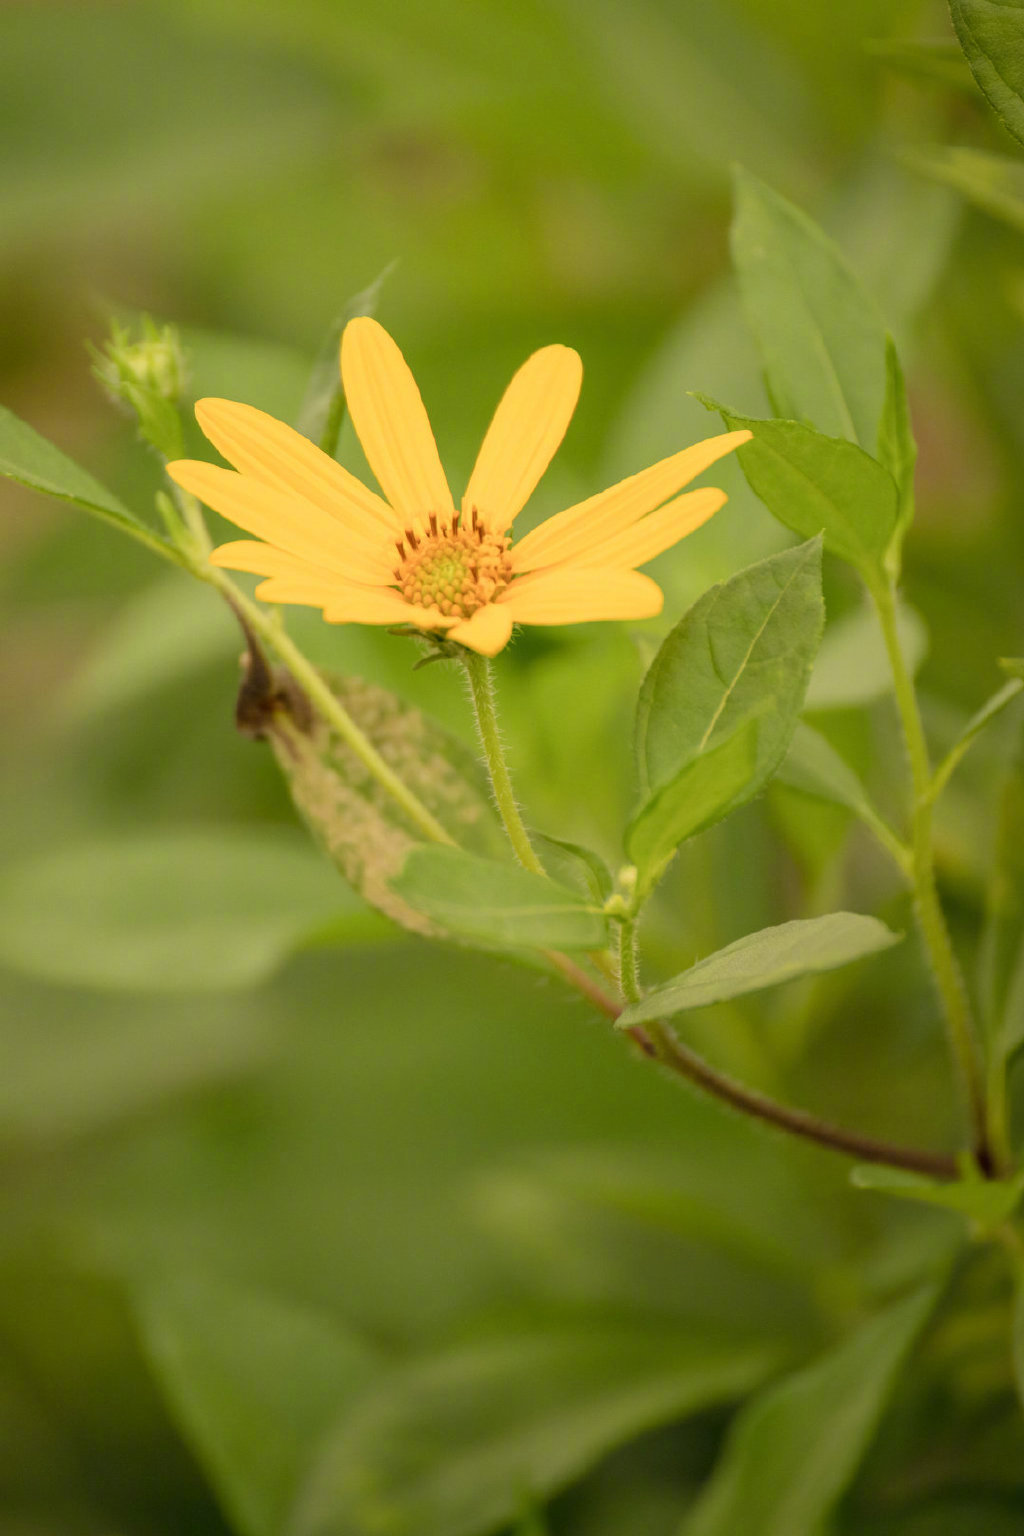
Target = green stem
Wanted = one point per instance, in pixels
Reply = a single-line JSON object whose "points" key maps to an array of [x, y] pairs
{"points": [[481, 686], [270, 629], [629, 967], [931, 921]]}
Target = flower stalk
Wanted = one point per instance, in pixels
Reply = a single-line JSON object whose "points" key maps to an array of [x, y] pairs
{"points": [[930, 917], [481, 688]]}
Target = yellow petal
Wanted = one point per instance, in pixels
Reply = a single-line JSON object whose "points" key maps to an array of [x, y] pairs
{"points": [[265, 560], [572, 594], [570, 534], [486, 631], [288, 522], [342, 604], [521, 440], [656, 532], [267, 450], [389, 416]]}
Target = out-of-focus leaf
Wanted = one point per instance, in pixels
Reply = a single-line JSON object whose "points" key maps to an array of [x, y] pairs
{"points": [[30, 459], [170, 629], [1013, 666], [704, 790], [358, 822], [991, 34], [993, 183], [813, 765], [853, 666], [170, 911], [815, 484], [248, 368], [821, 338], [497, 903], [745, 648], [989, 1201], [215, 113], [793, 1451], [323, 405], [765, 959], [939, 61], [253, 1383], [450, 1446]]}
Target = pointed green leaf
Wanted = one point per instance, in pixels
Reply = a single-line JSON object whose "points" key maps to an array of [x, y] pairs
{"points": [[821, 338], [452, 1445], [707, 788], [745, 648], [30, 459], [252, 1383], [357, 821], [990, 1201], [323, 406], [794, 1450], [582, 863], [1013, 666], [991, 34], [765, 959], [815, 484], [497, 903], [187, 910]]}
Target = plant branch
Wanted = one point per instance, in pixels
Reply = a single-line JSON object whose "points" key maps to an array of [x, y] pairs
{"points": [[930, 917]]}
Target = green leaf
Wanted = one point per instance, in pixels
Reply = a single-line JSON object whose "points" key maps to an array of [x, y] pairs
{"points": [[706, 789], [815, 484], [990, 1201], [765, 959], [745, 648], [853, 667], [794, 1450], [30, 459], [897, 449], [252, 1383], [581, 862], [323, 406], [814, 767], [499, 903], [993, 183], [358, 823], [452, 1446], [821, 338], [170, 911], [1013, 666], [991, 34], [940, 61], [988, 712]]}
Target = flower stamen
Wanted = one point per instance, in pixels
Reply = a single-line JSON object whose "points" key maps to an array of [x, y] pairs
{"points": [[456, 570]]}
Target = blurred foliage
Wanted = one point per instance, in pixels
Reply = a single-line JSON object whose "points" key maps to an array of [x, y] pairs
{"points": [[403, 1158]]}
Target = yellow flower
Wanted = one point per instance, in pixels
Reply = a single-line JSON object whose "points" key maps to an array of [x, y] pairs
{"points": [[328, 541]]}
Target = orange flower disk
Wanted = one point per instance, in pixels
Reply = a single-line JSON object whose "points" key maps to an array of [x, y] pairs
{"points": [[324, 538]]}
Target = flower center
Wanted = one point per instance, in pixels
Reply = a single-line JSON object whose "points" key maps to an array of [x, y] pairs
{"points": [[457, 569]]}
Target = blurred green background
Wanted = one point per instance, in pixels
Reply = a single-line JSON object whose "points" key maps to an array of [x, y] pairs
{"points": [[415, 1140]]}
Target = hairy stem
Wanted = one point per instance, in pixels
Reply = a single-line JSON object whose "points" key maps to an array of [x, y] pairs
{"points": [[481, 686], [930, 918]]}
